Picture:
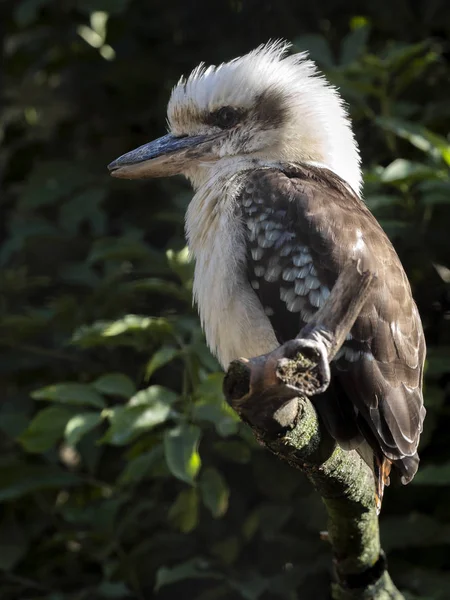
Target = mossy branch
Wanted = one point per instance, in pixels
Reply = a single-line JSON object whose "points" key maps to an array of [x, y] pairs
{"points": [[270, 393]]}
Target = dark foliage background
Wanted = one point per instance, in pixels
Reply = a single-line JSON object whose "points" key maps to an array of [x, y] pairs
{"points": [[122, 472]]}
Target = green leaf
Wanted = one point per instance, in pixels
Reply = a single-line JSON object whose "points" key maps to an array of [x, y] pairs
{"points": [[26, 12], [225, 423], [405, 170], [21, 479], [195, 568], [227, 549], [211, 388], [22, 232], [152, 395], [78, 394], [79, 425], [354, 44], [443, 272], [215, 492], [417, 135], [139, 467], [46, 429], [128, 422], [115, 384], [181, 264], [181, 451], [317, 47], [51, 181], [160, 358], [124, 331], [110, 589], [183, 513], [398, 54], [435, 192], [157, 286], [84, 207], [377, 201], [121, 248], [251, 587]]}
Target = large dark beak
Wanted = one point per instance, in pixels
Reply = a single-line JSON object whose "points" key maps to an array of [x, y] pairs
{"points": [[168, 155]]}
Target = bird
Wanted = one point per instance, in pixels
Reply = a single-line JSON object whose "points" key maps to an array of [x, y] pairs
{"points": [[277, 213]]}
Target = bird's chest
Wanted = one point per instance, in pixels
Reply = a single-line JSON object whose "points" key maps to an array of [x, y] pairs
{"points": [[231, 314]]}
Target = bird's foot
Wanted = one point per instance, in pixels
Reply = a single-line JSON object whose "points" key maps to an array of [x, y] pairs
{"points": [[308, 368]]}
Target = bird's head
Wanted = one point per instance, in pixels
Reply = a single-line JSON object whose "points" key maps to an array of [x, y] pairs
{"points": [[264, 107]]}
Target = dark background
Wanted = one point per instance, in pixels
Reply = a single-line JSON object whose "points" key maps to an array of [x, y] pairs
{"points": [[110, 493]]}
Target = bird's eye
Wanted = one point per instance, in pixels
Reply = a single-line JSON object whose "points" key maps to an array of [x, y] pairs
{"points": [[226, 117]]}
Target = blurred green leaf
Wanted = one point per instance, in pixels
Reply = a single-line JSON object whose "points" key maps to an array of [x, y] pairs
{"points": [[354, 44], [419, 136], [70, 393], [181, 451], [22, 232], [181, 264], [405, 170], [115, 384], [84, 207], [435, 192], [110, 589], [160, 286], [398, 54], [183, 513], [225, 423], [128, 422], [52, 181], [121, 331], [377, 201], [153, 394], [160, 358], [79, 425], [26, 11], [46, 429], [124, 248], [21, 479], [195, 568], [251, 587], [138, 467], [215, 492], [317, 48]]}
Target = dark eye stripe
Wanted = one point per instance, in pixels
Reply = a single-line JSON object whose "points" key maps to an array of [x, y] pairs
{"points": [[225, 117]]}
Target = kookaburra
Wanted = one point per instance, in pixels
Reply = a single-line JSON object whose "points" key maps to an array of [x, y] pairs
{"points": [[267, 145]]}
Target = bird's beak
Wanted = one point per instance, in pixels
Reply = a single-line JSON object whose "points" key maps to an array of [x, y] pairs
{"points": [[168, 155]]}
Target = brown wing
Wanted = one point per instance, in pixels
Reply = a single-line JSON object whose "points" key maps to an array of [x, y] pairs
{"points": [[380, 368]]}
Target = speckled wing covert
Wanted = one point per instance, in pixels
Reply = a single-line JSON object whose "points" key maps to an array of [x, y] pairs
{"points": [[303, 224]]}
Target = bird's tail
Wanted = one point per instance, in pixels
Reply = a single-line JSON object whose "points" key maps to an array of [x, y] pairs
{"points": [[381, 471], [381, 468]]}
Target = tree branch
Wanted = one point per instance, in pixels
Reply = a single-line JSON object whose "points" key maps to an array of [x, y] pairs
{"points": [[270, 393]]}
